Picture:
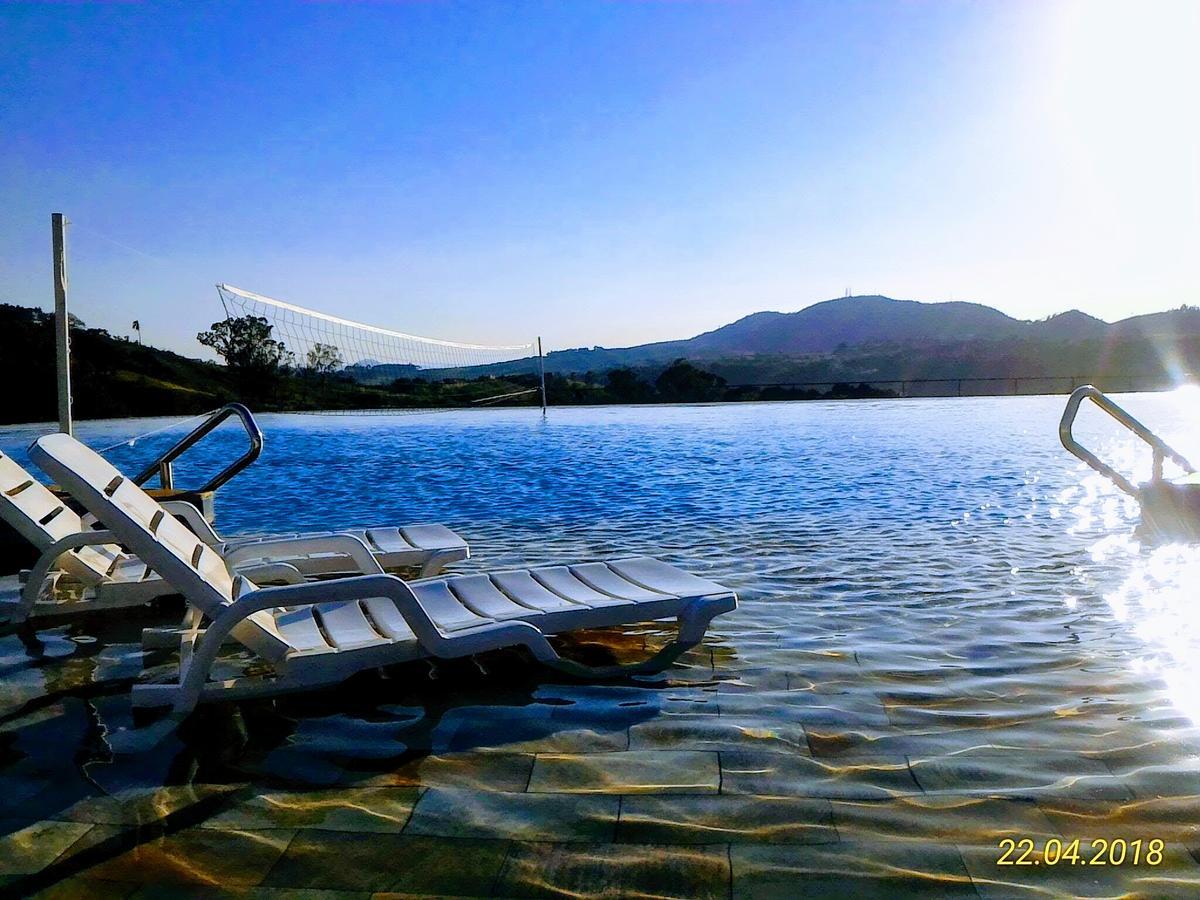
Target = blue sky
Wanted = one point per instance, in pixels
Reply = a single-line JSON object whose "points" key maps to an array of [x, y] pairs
{"points": [[598, 172]]}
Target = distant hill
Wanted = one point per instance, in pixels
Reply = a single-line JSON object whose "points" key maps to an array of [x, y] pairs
{"points": [[110, 376], [114, 377], [1072, 325], [1181, 322], [851, 343], [852, 323], [856, 322]]}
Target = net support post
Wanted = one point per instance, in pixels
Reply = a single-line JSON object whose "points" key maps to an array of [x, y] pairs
{"points": [[62, 323], [542, 374]]}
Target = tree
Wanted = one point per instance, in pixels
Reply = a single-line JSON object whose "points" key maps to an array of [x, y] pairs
{"points": [[246, 345], [255, 359], [324, 359], [682, 381], [625, 386]]}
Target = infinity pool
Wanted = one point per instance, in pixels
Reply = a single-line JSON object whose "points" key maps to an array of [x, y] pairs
{"points": [[949, 636]]}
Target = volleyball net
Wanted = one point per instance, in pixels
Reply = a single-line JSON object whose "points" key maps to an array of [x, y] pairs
{"points": [[333, 364]]}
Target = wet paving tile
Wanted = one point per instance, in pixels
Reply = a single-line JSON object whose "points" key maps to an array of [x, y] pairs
{"points": [[828, 741], [1171, 819], [414, 864], [254, 893], [792, 775], [88, 889], [1019, 775], [476, 771], [197, 856], [383, 809], [29, 848], [530, 816], [707, 733], [1100, 737], [629, 772], [725, 818], [1177, 875], [615, 870], [848, 870], [141, 806], [525, 729], [1149, 780], [807, 708], [745, 681], [16, 789], [101, 842], [940, 818], [659, 700]]}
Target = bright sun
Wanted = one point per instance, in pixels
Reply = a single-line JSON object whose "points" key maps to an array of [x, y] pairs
{"points": [[1117, 86]]}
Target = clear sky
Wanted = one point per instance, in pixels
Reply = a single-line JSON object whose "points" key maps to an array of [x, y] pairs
{"points": [[599, 172]]}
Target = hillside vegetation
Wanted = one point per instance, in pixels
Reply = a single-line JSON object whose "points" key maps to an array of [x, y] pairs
{"points": [[850, 347], [114, 377]]}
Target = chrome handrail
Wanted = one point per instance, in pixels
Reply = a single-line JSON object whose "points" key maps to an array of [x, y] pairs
{"points": [[163, 466], [1160, 448]]}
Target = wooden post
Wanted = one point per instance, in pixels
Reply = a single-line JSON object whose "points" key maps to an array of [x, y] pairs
{"points": [[62, 323], [542, 374]]}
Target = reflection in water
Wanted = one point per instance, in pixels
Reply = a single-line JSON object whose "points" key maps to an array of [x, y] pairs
{"points": [[949, 634]]}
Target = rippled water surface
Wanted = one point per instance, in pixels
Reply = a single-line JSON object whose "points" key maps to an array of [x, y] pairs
{"points": [[949, 635]]}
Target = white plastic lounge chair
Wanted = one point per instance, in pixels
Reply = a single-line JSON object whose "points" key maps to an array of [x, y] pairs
{"points": [[319, 633], [106, 577]]}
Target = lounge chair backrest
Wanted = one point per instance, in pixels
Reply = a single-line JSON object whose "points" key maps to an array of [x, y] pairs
{"points": [[41, 518], [162, 541]]}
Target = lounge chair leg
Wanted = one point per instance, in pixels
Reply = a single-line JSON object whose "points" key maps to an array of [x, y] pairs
{"points": [[435, 564], [693, 623], [36, 584]]}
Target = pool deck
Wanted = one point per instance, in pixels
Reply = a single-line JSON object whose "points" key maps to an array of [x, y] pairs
{"points": [[707, 795]]}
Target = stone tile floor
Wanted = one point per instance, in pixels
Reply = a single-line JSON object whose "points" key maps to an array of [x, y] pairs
{"points": [[703, 798]]}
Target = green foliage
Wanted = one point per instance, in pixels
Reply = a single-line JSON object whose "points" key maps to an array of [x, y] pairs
{"points": [[681, 382], [624, 386], [110, 376], [246, 345], [114, 377], [323, 359]]}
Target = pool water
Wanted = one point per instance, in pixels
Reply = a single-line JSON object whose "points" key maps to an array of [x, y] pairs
{"points": [[949, 635]]}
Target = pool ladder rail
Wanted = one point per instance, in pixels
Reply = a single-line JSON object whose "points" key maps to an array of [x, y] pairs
{"points": [[163, 465], [16, 553], [1170, 506]]}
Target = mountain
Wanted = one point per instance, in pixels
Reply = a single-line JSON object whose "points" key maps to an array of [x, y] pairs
{"points": [[855, 322], [1172, 323], [871, 321], [1072, 325], [847, 343]]}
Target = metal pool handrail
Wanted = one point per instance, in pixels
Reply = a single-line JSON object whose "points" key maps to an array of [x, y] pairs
{"points": [[1160, 448], [163, 466]]}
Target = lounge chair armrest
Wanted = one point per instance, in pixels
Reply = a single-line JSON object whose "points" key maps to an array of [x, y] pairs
{"points": [[50, 557], [266, 573], [309, 593], [459, 643], [98, 538], [193, 519], [281, 549]]}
